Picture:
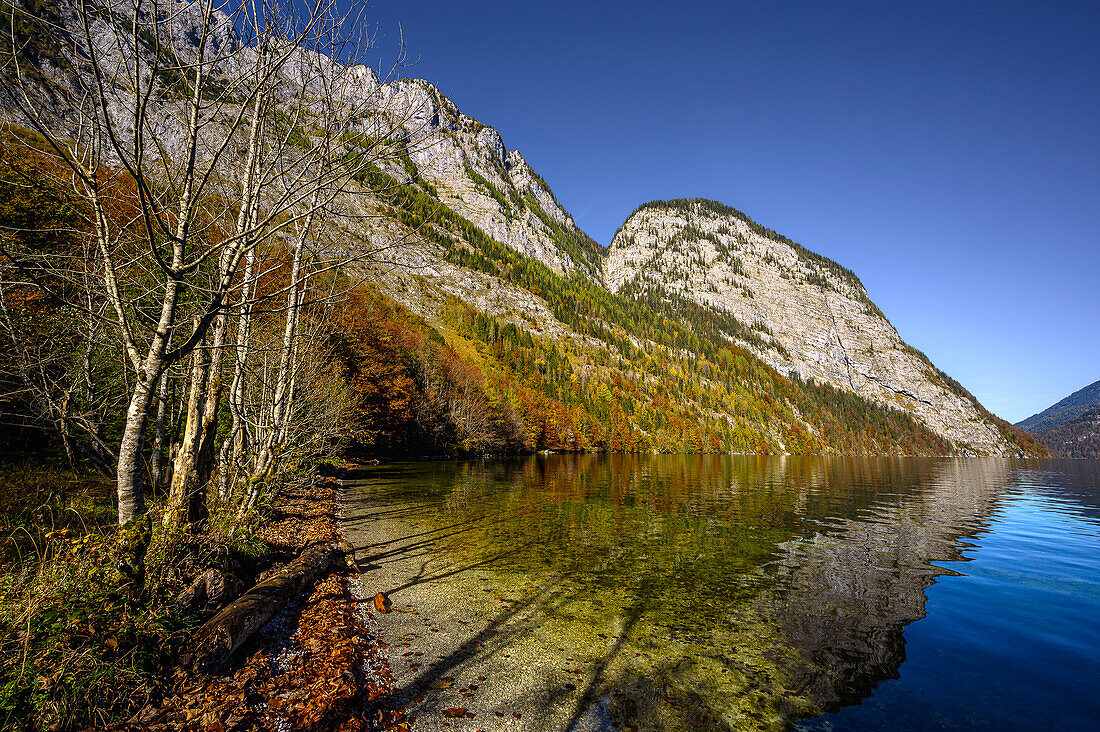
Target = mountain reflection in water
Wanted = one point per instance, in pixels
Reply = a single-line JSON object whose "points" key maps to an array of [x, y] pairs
{"points": [[696, 591]]}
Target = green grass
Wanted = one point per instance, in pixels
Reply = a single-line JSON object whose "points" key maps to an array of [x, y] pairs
{"points": [[81, 645]]}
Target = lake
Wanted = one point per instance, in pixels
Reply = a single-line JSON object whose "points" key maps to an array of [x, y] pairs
{"points": [[599, 592]]}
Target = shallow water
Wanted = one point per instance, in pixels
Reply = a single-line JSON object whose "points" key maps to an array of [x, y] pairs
{"points": [[714, 592]]}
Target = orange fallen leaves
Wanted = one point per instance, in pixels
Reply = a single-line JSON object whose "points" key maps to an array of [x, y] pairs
{"points": [[323, 687]]}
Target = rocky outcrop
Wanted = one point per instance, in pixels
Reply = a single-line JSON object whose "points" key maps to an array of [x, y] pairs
{"points": [[813, 316], [479, 178], [808, 316]]}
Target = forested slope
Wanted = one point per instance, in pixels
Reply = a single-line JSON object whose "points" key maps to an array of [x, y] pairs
{"points": [[472, 315], [1077, 438], [227, 260], [1066, 410], [650, 364]]}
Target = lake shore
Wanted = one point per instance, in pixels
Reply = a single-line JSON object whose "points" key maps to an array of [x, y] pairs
{"points": [[481, 638], [315, 666], [468, 651]]}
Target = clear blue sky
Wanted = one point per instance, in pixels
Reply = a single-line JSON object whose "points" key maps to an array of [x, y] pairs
{"points": [[947, 152]]}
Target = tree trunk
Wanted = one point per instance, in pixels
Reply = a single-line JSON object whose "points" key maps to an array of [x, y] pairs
{"points": [[63, 429], [225, 632], [186, 491], [204, 457], [210, 591], [156, 469], [131, 502], [238, 433]]}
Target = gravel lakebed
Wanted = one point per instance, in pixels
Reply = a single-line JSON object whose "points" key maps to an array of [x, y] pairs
{"points": [[472, 647]]}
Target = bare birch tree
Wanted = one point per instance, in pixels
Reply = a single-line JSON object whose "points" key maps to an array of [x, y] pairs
{"points": [[193, 134]]}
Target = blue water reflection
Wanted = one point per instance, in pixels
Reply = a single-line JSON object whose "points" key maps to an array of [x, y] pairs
{"points": [[1012, 642]]}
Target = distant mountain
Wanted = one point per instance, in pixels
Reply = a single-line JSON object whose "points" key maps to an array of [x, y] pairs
{"points": [[1068, 410], [1070, 428], [1078, 438]]}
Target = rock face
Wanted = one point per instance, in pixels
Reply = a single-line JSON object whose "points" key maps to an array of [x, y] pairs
{"points": [[477, 177], [813, 316]]}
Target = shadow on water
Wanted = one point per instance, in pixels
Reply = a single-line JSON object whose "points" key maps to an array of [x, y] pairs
{"points": [[429, 532], [706, 591]]}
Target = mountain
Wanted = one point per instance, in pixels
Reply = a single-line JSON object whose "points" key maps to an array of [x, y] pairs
{"points": [[694, 288], [807, 315], [1070, 428], [491, 322], [1077, 438], [1067, 410]]}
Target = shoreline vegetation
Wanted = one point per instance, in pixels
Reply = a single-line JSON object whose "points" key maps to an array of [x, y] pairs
{"points": [[79, 653], [81, 650]]}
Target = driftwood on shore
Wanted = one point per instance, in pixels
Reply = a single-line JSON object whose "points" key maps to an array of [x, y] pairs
{"points": [[216, 640]]}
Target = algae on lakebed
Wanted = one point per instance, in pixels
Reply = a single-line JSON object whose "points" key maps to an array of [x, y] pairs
{"points": [[635, 591]]}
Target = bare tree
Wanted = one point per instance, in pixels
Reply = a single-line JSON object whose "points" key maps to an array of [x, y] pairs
{"points": [[52, 372], [193, 135]]}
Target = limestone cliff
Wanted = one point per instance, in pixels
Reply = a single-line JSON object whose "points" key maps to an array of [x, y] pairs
{"points": [[813, 316], [800, 313]]}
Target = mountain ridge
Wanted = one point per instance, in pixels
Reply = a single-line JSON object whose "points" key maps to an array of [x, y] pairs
{"points": [[987, 440], [1070, 428], [1076, 438], [1064, 410], [813, 314]]}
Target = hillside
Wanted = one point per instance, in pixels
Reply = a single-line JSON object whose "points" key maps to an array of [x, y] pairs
{"points": [[1070, 428], [713, 346], [1067, 410], [231, 265], [805, 314], [480, 318], [1077, 438]]}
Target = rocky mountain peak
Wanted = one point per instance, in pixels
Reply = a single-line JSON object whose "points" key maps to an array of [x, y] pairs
{"points": [[805, 315], [492, 186]]}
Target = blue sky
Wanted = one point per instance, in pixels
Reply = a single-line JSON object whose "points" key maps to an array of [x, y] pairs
{"points": [[947, 152]]}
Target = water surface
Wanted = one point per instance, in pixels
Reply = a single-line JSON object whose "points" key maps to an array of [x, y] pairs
{"points": [[716, 592]]}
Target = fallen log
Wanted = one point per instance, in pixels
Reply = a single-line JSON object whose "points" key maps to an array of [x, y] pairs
{"points": [[216, 640], [210, 591]]}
